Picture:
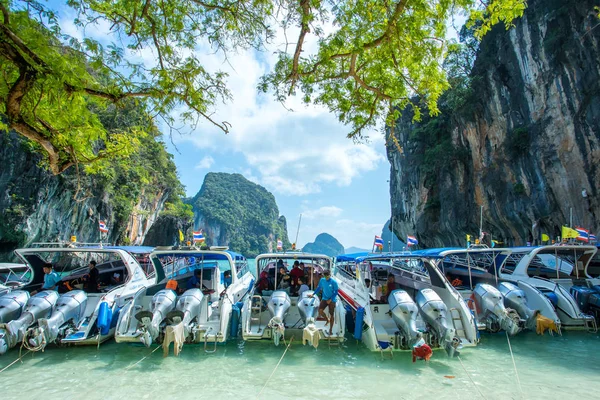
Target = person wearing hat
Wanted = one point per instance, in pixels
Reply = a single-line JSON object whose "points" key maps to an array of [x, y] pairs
{"points": [[329, 287]]}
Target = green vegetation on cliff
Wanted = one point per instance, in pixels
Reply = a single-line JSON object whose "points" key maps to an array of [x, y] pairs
{"points": [[324, 244], [244, 214]]}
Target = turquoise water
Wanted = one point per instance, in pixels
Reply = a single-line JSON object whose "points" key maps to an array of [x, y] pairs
{"points": [[548, 368]]}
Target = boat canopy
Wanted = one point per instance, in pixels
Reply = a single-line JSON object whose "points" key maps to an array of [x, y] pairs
{"points": [[351, 257], [169, 263], [133, 249]]}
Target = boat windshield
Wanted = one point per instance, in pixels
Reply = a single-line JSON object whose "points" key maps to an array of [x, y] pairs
{"points": [[73, 266], [553, 262], [181, 263], [312, 267], [15, 275]]}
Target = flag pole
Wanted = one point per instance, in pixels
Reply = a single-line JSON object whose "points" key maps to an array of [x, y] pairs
{"points": [[298, 230], [373, 247]]}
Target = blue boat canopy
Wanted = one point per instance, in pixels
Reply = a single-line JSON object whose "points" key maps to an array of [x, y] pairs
{"points": [[206, 256], [132, 249], [351, 257]]}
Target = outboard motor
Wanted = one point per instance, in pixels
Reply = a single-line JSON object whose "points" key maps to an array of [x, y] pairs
{"points": [[11, 305], [435, 313], [69, 307], [39, 306], [490, 307], [162, 303], [308, 307], [187, 309], [404, 313], [278, 306], [515, 298]]}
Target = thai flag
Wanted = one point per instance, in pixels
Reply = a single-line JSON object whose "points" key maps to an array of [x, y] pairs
{"points": [[102, 227], [584, 234], [592, 237], [198, 236], [411, 240], [378, 242], [279, 245]]}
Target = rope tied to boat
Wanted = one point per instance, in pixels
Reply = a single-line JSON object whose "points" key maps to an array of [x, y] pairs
{"points": [[14, 362], [514, 364], [143, 358], [277, 366], [471, 379]]}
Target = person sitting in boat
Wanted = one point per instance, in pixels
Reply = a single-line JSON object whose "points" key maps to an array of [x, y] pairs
{"points": [[227, 278], [263, 282], [195, 281], [51, 278], [456, 282], [296, 272], [329, 287], [391, 285], [282, 276], [91, 279], [280, 264], [421, 350], [302, 286]]}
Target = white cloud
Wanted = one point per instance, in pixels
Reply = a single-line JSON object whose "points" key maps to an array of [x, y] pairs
{"points": [[323, 212], [205, 163]]}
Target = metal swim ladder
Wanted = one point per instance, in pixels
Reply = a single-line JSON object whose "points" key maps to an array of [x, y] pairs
{"points": [[214, 349], [455, 314], [590, 323], [256, 305]]}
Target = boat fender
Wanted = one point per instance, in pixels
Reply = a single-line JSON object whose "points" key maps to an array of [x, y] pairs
{"points": [[349, 318], [552, 297], [360, 316], [104, 318], [115, 317], [235, 319]]}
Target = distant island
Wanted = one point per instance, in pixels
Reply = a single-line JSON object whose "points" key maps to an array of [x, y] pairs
{"points": [[324, 244]]}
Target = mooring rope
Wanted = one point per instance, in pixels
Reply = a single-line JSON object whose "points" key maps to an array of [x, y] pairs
{"points": [[514, 364], [277, 366], [14, 362], [471, 379], [143, 358]]}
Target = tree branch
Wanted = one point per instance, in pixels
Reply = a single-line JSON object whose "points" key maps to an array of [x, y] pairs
{"points": [[304, 29]]}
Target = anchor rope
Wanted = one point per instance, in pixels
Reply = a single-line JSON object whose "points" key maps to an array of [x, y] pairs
{"points": [[277, 366], [143, 358], [471, 379], [514, 364], [14, 362]]}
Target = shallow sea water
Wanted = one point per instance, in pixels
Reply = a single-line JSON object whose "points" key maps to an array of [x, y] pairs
{"points": [[558, 367], [548, 367]]}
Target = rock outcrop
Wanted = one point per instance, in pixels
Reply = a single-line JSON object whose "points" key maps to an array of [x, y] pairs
{"points": [[234, 212], [525, 145], [324, 244]]}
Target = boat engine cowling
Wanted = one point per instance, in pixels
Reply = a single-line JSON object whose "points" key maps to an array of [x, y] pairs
{"points": [[11, 305], [188, 307], [39, 306], [435, 313], [69, 307], [490, 306], [308, 307], [278, 306], [163, 302], [515, 298], [404, 313]]}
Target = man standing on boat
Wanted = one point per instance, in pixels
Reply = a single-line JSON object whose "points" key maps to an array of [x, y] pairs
{"points": [[329, 287]]}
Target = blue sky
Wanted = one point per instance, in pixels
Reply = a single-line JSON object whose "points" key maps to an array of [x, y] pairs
{"points": [[302, 156]]}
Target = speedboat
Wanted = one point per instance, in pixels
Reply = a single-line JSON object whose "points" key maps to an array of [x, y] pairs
{"points": [[78, 317], [206, 314], [274, 312], [561, 274], [498, 305], [394, 297]]}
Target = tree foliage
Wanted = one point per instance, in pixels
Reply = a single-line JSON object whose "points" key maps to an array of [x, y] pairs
{"points": [[372, 57]]}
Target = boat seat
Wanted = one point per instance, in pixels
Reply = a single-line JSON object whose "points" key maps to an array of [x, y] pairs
{"points": [[385, 329]]}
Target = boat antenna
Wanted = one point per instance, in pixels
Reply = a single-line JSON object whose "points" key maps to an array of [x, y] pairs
{"points": [[298, 230]]}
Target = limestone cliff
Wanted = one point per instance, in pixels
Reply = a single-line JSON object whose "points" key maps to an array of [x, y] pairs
{"points": [[324, 244], [234, 212], [524, 145]]}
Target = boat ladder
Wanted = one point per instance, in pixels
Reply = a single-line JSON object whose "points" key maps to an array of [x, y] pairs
{"points": [[455, 314], [333, 341], [590, 323], [256, 305], [206, 349]]}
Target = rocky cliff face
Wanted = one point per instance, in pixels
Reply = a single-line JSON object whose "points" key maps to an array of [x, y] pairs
{"points": [[234, 212], [40, 207], [324, 244], [524, 145]]}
